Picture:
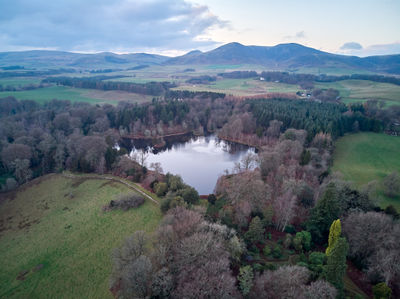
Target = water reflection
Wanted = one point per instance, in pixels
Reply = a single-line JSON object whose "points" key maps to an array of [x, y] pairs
{"points": [[199, 160]]}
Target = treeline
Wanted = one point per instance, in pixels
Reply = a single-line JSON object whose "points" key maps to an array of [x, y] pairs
{"points": [[20, 88], [36, 73], [186, 94], [311, 116], [294, 78], [239, 74], [150, 88], [201, 79]]}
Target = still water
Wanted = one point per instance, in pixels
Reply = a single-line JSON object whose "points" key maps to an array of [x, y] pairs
{"points": [[198, 160]]}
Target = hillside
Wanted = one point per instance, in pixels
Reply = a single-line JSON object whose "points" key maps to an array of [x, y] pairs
{"points": [[287, 56], [56, 239], [282, 56], [59, 59]]}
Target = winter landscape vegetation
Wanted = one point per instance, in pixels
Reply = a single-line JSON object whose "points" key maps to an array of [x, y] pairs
{"points": [[133, 166]]}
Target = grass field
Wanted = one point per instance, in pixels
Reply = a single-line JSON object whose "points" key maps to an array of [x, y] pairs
{"points": [[58, 223], [242, 87], [19, 81], [365, 157], [42, 95], [353, 91]]}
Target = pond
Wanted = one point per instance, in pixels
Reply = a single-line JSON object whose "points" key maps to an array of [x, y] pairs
{"points": [[198, 160]]}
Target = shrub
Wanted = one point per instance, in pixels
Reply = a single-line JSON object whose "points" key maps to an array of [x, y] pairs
{"points": [[125, 202], [267, 250], [391, 184], [277, 252], [381, 291], [161, 188]]}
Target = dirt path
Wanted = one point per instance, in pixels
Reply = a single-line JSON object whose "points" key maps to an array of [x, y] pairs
{"points": [[98, 177]]}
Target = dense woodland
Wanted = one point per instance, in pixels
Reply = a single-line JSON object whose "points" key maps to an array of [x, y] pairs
{"points": [[282, 201], [97, 82]]}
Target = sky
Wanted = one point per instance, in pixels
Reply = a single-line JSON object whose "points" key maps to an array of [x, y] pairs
{"points": [[174, 27]]}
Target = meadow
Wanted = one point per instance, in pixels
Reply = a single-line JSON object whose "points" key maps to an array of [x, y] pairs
{"points": [[356, 91], [365, 157], [56, 239], [242, 87], [42, 95]]}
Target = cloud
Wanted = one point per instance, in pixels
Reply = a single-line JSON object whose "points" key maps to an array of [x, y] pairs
{"points": [[298, 35], [351, 46], [103, 25], [381, 49]]}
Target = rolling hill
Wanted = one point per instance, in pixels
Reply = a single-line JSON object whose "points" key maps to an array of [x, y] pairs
{"points": [[279, 57], [287, 56]]}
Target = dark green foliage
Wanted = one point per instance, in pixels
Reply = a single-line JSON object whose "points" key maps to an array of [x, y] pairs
{"points": [[245, 279], [302, 240], [324, 213], [290, 229], [391, 210], [305, 157], [211, 199], [311, 116], [381, 291], [267, 250], [277, 252], [335, 268], [190, 195], [337, 199], [97, 82], [256, 231], [161, 188], [316, 262]]}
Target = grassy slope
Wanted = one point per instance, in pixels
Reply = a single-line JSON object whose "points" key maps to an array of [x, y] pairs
{"points": [[92, 96], [365, 157], [361, 90], [73, 238], [42, 95]]}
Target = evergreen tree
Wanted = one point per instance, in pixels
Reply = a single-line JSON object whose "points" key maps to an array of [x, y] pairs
{"points": [[335, 268], [334, 235], [245, 279], [256, 231], [324, 213]]}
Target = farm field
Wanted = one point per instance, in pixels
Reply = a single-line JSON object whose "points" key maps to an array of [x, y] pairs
{"points": [[242, 87], [42, 95], [365, 157], [58, 224], [19, 81], [353, 91]]}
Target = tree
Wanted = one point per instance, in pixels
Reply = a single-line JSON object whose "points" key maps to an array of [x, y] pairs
{"points": [[324, 213], [22, 171], [334, 234], [256, 231], [381, 291], [245, 279], [285, 282], [391, 184], [335, 268], [319, 289]]}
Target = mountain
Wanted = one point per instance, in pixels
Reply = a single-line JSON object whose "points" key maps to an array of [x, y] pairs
{"points": [[287, 56], [280, 57], [59, 59]]}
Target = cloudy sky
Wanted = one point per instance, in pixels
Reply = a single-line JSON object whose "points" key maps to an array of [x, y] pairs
{"points": [[172, 27]]}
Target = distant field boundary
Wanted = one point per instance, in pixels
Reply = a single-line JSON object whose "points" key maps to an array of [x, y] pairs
{"points": [[98, 177]]}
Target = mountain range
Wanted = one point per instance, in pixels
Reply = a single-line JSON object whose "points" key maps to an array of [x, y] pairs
{"points": [[282, 56]]}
